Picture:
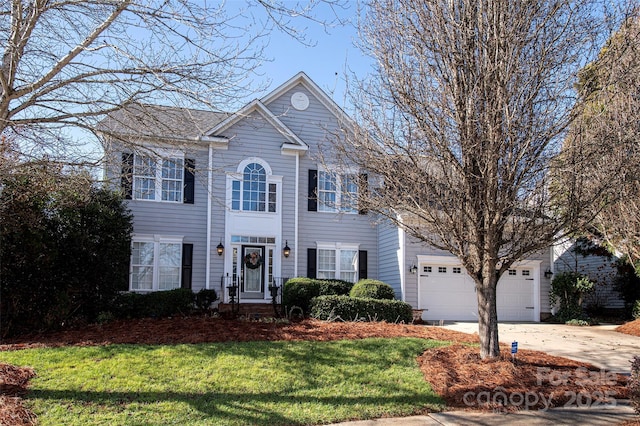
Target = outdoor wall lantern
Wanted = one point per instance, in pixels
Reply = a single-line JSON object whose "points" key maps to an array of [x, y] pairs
{"points": [[413, 269], [548, 273], [220, 248], [286, 251]]}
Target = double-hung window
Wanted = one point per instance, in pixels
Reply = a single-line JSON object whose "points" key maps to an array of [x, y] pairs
{"points": [[338, 262], [156, 263], [337, 192], [158, 179]]}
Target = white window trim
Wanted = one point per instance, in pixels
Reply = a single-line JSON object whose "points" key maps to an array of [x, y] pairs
{"points": [[157, 240], [158, 156], [339, 172], [337, 247], [238, 175]]}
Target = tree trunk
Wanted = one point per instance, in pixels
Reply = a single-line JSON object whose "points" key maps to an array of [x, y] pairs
{"points": [[488, 318]]}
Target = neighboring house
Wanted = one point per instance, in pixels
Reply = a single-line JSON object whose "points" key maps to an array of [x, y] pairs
{"points": [[221, 199], [571, 255]]}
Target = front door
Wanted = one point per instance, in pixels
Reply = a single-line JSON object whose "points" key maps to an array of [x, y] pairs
{"points": [[253, 272]]}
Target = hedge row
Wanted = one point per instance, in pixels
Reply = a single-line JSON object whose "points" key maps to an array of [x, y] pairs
{"points": [[372, 289], [299, 291], [162, 303], [361, 309]]}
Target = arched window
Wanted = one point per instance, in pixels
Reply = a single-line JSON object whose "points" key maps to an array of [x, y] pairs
{"points": [[254, 192], [254, 186]]}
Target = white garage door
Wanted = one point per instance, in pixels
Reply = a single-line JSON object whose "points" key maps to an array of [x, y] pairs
{"points": [[447, 293]]}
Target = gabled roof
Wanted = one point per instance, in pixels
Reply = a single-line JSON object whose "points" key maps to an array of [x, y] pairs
{"points": [[259, 107], [160, 122], [304, 80], [183, 124]]}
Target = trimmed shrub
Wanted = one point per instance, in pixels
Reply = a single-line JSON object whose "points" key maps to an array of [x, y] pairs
{"points": [[372, 289], [205, 298], [334, 287], [361, 309], [156, 304], [299, 292]]}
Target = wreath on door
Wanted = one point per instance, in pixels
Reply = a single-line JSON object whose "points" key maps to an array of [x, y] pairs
{"points": [[253, 260]]}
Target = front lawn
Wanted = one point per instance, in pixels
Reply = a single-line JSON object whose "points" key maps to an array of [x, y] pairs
{"points": [[257, 383]]}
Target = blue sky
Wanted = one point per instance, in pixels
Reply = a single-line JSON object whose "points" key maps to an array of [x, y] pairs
{"points": [[326, 62]]}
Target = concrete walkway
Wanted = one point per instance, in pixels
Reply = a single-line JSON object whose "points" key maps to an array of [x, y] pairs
{"points": [[597, 345], [559, 416]]}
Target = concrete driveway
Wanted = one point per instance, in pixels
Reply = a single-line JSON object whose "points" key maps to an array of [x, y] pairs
{"points": [[598, 345]]}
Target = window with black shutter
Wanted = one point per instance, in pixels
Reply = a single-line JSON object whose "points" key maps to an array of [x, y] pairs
{"points": [[311, 263], [312, 205], [362, 265], [187, 265], [189, 181], [126, 178]]}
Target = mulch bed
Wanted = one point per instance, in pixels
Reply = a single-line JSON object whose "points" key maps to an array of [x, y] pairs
{"points": [[632, 328], [13, 385], [532, 381], [536, 380]]}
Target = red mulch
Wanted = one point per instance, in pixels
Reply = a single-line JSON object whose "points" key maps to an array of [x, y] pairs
{"points": [[632, 328], [534, 380], [453, 371], [13, 385]]}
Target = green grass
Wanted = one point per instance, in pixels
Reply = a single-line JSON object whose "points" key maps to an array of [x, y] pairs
{"points": [[255, 383]]}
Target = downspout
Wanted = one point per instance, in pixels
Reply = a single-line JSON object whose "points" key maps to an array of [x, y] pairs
{"points": [[209, 192], [295, 217]]}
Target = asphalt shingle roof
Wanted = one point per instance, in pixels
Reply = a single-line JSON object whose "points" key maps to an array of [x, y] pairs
{"points": [[155, 121]]}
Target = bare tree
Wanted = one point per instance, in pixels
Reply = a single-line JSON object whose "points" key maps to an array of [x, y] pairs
{"points": [[470, 104], [65, 64], [610, 118]]}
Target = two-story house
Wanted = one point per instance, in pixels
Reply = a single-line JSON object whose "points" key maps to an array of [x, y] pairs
{"points": [[243, 198]]}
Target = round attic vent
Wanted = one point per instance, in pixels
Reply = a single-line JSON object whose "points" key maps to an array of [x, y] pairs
{"points": [[299, 101]]}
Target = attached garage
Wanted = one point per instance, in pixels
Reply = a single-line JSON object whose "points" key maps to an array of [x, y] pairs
{"points": [[446, 292]]}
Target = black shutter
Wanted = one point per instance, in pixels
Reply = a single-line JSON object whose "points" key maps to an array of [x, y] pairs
{"points": [[363, 192], [311, 263], [362, 265], [312, 205], [189, 180], [126, 179], [187, 265]]}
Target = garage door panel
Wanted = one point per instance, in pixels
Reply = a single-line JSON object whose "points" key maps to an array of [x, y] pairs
{"points": [[449, 296], [515, 296]]}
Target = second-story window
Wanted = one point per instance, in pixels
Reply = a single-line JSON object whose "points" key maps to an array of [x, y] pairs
{"points": [[158, 179], [337, 192], [254, 192]]}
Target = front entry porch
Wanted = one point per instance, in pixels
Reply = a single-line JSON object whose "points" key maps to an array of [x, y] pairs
{"points": [[235, 302]]}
